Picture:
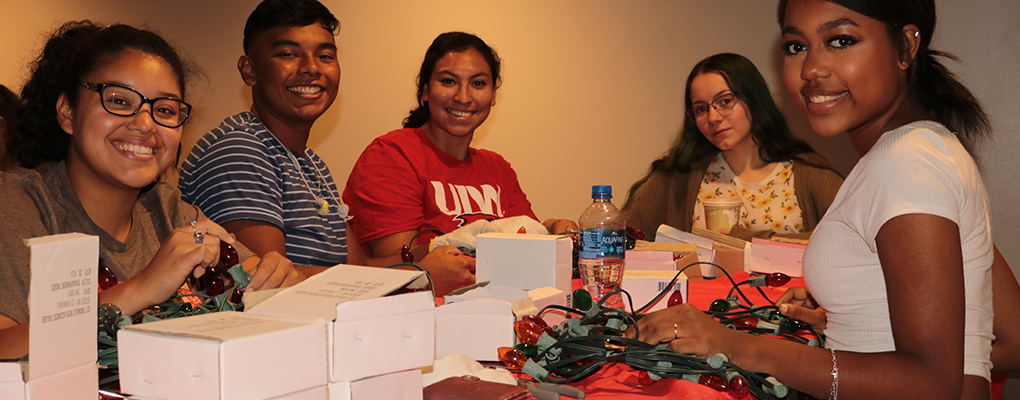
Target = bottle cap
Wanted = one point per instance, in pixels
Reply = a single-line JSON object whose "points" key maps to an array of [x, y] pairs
{"points": [[602, 191]]}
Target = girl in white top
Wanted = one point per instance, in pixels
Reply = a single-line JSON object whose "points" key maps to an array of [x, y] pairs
{"points": [[903, 261]]}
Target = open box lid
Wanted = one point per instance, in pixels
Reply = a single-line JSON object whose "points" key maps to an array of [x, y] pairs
{"points": [[220, 326], [318, 296], [477, 307]]}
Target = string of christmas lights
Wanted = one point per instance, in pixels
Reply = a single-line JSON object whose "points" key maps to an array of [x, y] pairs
{"points": [[593, 337], [219, 289]]}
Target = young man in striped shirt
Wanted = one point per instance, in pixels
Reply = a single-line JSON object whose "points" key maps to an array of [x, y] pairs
{"points": [[255, 175]]}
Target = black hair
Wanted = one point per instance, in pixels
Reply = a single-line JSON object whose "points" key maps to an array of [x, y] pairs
{"points": [[72, 52], [449, 42], [273, 13], [769, 129], [938, 90], [9, 104]]}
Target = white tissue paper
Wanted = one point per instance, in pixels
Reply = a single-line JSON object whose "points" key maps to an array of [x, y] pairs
{"points": [[459, 365], [465, 235]]}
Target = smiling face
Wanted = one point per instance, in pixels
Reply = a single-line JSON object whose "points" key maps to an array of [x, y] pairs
{"points": [[842, 70], [294, 74], [114, 151], [726, 129], [460, 94]]}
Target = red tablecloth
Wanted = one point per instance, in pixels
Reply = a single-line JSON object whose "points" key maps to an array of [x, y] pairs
{"points": [[619, 381]]}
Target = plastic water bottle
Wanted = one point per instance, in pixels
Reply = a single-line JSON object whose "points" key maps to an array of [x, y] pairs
{"points": [[603, 240]]}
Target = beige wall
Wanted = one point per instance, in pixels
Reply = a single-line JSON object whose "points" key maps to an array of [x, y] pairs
{"points": [[583, 79]]}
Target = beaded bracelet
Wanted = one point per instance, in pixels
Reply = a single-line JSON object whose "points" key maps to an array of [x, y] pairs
{"points": [[835, 377]]}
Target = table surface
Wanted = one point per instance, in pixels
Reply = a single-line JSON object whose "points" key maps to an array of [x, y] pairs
{"points": [[619, 381]]}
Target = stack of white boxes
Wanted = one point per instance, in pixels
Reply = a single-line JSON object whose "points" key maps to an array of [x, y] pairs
{"points": [[376, 345], [224, 355], [540, 264], [650, 269], [330, 337]]}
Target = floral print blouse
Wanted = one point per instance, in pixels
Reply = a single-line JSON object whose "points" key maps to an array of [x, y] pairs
{"points": [[769, 204]]}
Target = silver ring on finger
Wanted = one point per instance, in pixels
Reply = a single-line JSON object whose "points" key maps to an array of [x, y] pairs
{"points": [[199, 235], [675, 334]]}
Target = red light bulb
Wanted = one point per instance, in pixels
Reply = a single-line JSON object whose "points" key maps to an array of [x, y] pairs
{"points": [[528, 332], [675, 298], [777, 279], [738, 387], [713, 381], [214, 282], [106, 278], [228, 255], [512, 358], [644, 379], [405, 254], [746, 322], [536, 320]]}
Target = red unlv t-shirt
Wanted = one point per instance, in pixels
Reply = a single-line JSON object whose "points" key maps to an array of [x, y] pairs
{"points": [[403, 182]]}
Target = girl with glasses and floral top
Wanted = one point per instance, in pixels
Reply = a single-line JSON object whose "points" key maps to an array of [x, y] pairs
{"points": [[734, 144], [101, 122]]}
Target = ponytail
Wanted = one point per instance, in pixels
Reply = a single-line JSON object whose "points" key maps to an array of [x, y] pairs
{"points": [[947, 99], [418, 116]]}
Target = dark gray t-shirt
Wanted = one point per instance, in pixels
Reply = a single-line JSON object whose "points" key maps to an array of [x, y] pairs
{"points": [[41, 201]]}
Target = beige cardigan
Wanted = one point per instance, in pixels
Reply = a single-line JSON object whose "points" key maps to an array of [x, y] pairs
{"points": [[667, 197]]}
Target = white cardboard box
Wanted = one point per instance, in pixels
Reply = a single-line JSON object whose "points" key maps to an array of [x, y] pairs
{"points": [[405, 385], [223, 355], [650, 260], [542, 297], [370, 335], [474, 328], [525, 261], [769, 256], [315, 393], [62, 334], [643, 286]]}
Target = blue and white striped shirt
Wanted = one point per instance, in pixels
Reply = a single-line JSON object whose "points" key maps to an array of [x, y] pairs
{"points": [[240, 171]]}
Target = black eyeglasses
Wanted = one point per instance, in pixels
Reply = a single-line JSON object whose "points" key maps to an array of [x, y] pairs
{"points": [[723, 104], [125, 102]]}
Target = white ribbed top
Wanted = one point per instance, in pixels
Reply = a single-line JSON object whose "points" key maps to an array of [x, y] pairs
{"points": [[920, 168]]}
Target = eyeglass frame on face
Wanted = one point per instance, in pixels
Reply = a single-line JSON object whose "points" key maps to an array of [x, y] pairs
{"points": [[728, 107], [101, 87]]}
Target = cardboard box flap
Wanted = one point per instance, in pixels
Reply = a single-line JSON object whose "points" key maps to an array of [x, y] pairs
{"points": [[384, 307], [778, 251], [653, 247], [15, 371], [523, 236], [651, 274], [317, 297], [543, 292], [221, 326], [769, 256], [62, 302], [719, 238], [477, 307], [508, 293]]}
